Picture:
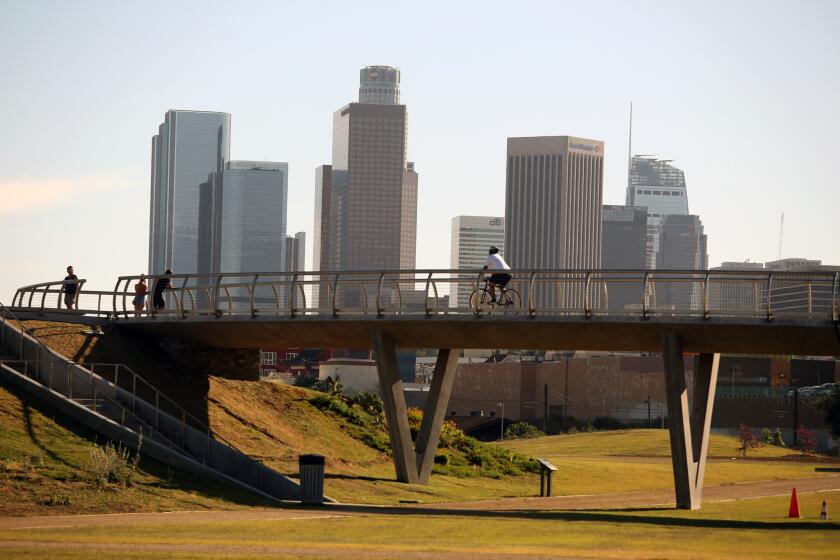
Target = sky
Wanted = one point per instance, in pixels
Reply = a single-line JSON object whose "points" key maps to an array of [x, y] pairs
{"points": [[743, 96]]}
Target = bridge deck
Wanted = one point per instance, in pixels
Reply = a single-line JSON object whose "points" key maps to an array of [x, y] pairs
{"points": [[783, 336]]}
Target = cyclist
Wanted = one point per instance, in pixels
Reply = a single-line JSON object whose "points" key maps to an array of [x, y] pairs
{"points": [[498, 267]]}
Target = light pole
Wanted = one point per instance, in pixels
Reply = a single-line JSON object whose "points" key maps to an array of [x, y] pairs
{"points": [[502, 418]]}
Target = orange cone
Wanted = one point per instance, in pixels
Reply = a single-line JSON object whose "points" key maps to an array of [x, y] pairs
{"points": [[794, 506], [824, 512]]}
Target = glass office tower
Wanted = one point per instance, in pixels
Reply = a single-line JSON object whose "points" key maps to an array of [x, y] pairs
{"points": [[243, 218], [659, 186], [624, 247], [470, 240], [189, 146]]}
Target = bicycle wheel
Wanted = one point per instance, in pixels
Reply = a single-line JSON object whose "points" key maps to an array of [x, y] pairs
{"points": [[481, 301], [510, 300]]}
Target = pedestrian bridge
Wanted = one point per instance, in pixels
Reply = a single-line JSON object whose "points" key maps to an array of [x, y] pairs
{"points": [[671, 312], [753, 312]]}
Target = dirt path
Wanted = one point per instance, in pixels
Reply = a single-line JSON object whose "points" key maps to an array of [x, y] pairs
{"points": [[283, 551], [111, 519], [726, 492]]}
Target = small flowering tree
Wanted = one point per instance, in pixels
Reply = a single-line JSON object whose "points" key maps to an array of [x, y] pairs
{"points": [[747, 437], [806, 440]]}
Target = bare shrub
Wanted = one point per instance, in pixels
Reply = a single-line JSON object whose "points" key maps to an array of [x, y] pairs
{"points": [[114, 464]]}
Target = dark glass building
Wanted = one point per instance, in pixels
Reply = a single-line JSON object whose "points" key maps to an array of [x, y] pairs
{"points": [[624, 247], [659, 186], [189, 146], [243, 218], [682, 246]]}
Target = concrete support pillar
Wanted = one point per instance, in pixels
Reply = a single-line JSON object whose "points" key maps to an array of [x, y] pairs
{"points": [[413, 464], [393, 400], [434, 412], [689, 426]]}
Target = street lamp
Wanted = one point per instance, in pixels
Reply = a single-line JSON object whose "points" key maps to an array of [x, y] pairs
{"points": [[502, 406]]}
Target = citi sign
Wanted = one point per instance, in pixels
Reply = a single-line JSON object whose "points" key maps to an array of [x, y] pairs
{"points": [[584, 147]]}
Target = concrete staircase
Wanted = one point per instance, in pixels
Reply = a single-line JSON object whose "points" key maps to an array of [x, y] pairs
{"points": [[120, 415]]}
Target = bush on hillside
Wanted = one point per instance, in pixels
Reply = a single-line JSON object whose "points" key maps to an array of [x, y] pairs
{"points": [[330, 386], [113, 464], [457, 454], [522, 430], [306, 381], [370, 403]]}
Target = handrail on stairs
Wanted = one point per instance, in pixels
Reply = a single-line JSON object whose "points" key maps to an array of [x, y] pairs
{"points": [[96, 395]]}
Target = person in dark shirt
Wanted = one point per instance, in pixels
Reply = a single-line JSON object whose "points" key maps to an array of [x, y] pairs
{"points": [[71, 288], [161, 285]]}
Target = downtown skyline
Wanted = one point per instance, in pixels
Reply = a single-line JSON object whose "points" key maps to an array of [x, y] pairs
{"points": [[723, 129]]}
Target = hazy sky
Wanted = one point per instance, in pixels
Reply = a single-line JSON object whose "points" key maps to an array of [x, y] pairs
{"points": [[744, 96]]}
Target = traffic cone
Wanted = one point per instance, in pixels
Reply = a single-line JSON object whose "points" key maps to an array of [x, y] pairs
{"points": [[793, 512], [824, 512]]}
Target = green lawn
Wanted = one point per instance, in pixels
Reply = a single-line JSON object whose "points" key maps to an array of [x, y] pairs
{"points": [[628, 460], [742, 529]]}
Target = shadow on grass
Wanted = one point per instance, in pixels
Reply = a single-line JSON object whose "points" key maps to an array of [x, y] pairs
{"points": [[357, 477], [30, 431], [634, 516]]}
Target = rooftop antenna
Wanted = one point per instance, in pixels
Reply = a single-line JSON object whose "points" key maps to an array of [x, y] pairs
{"points": [[781, 232], [629, 152]]}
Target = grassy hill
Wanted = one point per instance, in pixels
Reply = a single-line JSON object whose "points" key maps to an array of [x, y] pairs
{"points": [[45, 468]]}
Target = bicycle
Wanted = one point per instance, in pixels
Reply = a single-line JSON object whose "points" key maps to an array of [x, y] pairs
{"points": [[481, 299]]}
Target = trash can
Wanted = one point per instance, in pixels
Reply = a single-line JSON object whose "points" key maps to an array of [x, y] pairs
{"points": [[311, 479]]}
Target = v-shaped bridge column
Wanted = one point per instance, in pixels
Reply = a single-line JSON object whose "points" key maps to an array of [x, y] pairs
{"points": [[413, 466], [689, 427]]}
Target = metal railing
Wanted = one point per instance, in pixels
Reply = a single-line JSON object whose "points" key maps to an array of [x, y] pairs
{"points": [[139, 387], [585, 293]]}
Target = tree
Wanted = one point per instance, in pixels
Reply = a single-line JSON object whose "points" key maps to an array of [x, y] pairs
{"points": [[330, 386], [806, 440], [831, 407], [747, 437]]}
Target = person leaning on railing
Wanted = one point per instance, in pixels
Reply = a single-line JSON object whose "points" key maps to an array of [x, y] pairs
{"points": [[139, 300], [161, 284]]}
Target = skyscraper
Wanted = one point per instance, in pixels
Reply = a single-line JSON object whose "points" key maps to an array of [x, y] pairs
{"points": [[682, 246], [189, 146], [242, 218], [659, 186], [471, 237], [553, 207], [296, 252], [366, 201], [624, 247]]}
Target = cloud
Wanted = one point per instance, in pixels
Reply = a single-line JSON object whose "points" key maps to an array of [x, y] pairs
{"points": [[23, 195]]}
